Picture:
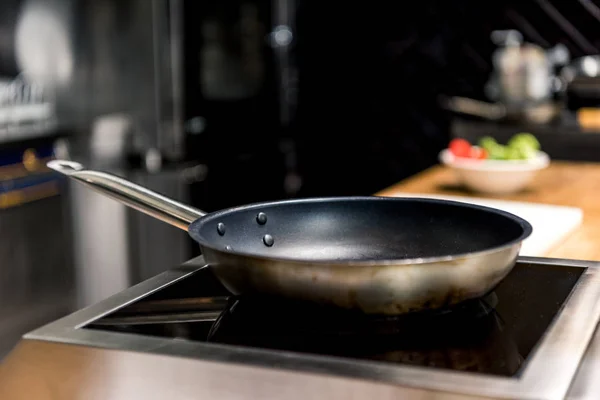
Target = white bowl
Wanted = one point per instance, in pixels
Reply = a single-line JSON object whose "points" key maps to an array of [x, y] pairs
{"points": [[495, 176]]}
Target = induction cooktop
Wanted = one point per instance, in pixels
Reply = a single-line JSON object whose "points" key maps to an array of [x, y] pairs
{"points": [[492, 335], [526, 338]]}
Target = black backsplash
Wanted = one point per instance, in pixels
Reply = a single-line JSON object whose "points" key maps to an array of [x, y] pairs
{"points": [[370, 76]]}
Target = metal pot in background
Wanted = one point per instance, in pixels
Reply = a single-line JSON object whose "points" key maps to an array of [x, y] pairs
{"points": [[522, 86], [524, 72]]}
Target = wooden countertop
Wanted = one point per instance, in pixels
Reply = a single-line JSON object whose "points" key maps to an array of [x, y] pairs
{"points": [[562, 183]]}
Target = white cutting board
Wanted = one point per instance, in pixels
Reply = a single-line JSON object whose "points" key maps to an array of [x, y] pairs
{"points": [[551, 224]]}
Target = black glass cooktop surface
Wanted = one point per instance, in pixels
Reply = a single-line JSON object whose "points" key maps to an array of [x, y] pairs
{"points": [[492, 335]]}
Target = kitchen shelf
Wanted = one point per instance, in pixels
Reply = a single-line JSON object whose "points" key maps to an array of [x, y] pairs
{"points": [[562, 141]]}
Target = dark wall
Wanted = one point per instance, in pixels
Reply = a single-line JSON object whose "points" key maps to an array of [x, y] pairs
{"points": [[370, 74], [366, 110]]}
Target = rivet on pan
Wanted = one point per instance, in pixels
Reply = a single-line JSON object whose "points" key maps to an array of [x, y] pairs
{"points": [[268, 240], [221, 228], [228, 248], [261, 218]]}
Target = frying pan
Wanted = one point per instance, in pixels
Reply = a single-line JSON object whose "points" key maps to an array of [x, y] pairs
{"points": [[376, 255]]}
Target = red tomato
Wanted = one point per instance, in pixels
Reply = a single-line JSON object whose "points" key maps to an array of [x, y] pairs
{"points": [[460, 147], [478, 153]]}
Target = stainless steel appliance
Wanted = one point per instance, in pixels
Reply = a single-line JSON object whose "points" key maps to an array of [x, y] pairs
{"points": [[36, 258], [110, 76], [533, 337]]}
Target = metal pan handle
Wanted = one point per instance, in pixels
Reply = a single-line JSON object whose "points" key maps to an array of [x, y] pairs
{"points": [[130, 194]]}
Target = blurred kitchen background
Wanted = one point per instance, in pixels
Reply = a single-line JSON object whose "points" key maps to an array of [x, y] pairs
{"points": [[226, 102]]}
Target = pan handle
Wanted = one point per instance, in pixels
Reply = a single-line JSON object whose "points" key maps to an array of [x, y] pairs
{"points": [[130, 194]]}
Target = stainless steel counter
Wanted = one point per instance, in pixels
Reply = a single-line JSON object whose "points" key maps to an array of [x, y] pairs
{"points": [[65, 359]]}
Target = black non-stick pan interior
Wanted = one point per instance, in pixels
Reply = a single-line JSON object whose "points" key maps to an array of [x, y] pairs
{"points": [[363, 228]]}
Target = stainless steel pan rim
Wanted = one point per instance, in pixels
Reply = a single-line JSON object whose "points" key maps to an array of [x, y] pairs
{"points": [[526, 227]]}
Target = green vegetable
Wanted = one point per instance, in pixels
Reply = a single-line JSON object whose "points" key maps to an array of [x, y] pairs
{"points": [[513, 153], [495, 150], [528, 152], [487, 142], [524, 140], [521, 146]]}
